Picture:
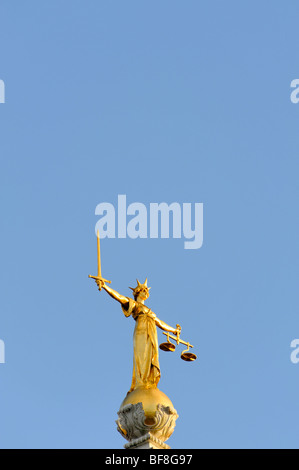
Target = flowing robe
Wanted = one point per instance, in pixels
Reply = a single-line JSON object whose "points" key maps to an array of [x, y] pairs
{"points": [[146, 368]]}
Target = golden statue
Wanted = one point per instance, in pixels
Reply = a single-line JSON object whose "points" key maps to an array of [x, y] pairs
{"points": [[146, 368]]}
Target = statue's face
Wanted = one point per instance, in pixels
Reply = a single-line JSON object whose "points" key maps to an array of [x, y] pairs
{"points": [[143, 295]]}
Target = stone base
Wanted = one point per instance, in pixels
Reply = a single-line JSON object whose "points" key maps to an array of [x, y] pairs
{"points": [[148, 441]]}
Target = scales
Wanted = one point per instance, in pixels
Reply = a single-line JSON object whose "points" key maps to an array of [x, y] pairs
{"points": [[168, 346]]}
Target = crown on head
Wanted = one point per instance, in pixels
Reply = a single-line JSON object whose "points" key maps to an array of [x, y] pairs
{"points": [[140, 287]]}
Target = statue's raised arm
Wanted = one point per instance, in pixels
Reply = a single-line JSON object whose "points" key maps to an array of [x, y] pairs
{"points": [[113, 293]]}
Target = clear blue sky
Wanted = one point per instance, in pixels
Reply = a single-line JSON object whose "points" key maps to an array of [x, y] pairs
{"points": [[161, 101]]}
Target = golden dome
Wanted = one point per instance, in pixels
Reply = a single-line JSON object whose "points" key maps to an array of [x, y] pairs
{"points": [[150, 399]]}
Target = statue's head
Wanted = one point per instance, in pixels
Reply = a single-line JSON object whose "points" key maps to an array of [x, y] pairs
{"points": [[141, 292]]}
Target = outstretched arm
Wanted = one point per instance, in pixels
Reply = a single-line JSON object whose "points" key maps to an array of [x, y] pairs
{"points": [[113, 293], [161, 324]]}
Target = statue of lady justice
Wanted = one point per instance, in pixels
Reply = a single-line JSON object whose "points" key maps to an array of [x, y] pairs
{"points": [[146, 369]]}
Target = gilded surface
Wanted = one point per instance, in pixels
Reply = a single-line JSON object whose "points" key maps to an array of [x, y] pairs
{"points": [[146, 368]]}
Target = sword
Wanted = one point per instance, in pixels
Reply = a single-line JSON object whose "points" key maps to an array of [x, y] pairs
{"points": [[99, 276]]}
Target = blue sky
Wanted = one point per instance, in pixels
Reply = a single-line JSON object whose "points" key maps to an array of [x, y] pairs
{"points": [[161, 101]]}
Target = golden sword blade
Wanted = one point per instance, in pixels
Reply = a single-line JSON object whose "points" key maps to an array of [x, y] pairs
{"points": [[99, 276], [99, 255]]}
